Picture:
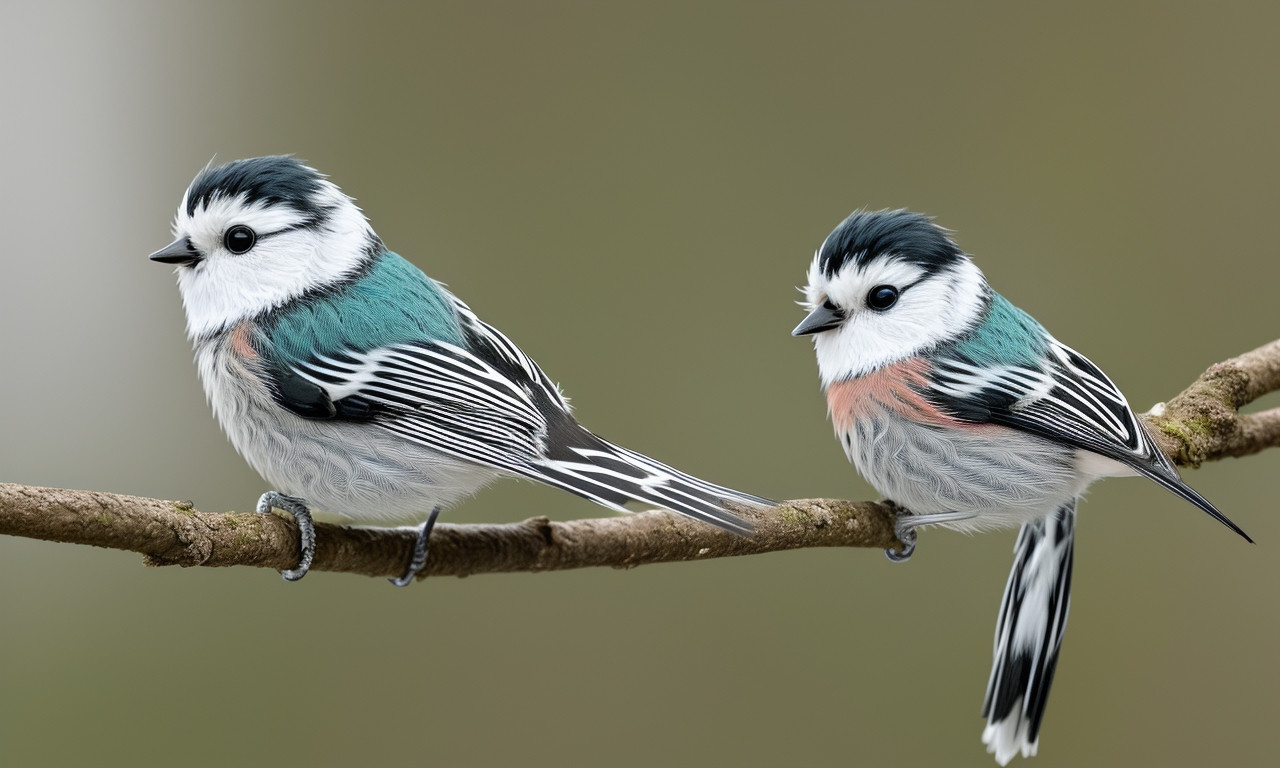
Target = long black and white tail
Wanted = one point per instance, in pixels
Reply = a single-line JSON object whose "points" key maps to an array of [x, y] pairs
{"points": [[1033, 616], [611, 475]]}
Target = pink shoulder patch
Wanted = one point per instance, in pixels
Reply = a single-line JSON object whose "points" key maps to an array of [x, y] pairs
{"points": [[240, 343], [896, 388]]}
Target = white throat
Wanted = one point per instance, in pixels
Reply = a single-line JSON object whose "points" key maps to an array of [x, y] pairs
{"points": [[934, 309], [287, 260]]}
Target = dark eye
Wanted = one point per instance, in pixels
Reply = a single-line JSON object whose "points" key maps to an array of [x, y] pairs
{"points": [[882, 297], [239, 239]]}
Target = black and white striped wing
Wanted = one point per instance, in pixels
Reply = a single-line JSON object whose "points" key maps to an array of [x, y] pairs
{"points": [[438, 395], [1068, 400], [1085, 409], [489, 403]]}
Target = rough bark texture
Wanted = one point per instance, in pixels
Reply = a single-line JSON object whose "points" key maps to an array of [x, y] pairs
{"points": [[174, 533], [1204, 423], [1201, 424]]}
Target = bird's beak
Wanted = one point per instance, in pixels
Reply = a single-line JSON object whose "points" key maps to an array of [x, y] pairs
{"points": [[180, 251], [819, 320]]}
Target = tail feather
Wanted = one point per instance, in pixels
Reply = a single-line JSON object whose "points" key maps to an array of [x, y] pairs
{"points": [[1169, 479], [1033, 617], [611, 476]]}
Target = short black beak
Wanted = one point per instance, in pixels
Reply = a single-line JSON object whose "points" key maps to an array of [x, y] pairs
{"points": [[180, 251], [821, 319]]}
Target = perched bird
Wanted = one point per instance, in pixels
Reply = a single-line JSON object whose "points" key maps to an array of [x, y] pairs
{"points": [[357, 385], [962, 409]]}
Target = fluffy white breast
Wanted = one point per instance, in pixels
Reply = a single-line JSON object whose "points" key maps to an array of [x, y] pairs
{"points": [[930, 309], [291, 256]]}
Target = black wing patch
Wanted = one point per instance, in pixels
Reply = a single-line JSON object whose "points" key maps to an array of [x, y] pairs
{"points": [[309, 400]]}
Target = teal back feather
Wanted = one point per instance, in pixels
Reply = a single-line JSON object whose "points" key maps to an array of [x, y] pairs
{"points": [[1005, 336], [392, 302]]}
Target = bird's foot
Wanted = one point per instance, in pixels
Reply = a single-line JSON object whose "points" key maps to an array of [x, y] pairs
{"points": [[306, 528], [907, 535], [905, 525], [419, 560]]}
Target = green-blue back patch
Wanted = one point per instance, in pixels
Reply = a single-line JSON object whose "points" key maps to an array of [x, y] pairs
{"points": [[391, 302], [1005, 336]]}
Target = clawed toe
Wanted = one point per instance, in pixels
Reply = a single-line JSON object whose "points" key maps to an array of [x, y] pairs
{"points": [[419, 560], [907, 535], [306, 529]]}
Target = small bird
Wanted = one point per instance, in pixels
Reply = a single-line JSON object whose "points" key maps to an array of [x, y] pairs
{"points": [[358, 386], [963, 410]]}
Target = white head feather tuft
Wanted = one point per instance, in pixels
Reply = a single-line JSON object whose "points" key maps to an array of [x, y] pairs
{"points": [[301, 245], [932, 307]]}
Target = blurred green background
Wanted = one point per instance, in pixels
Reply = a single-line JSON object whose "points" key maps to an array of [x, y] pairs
{"points": [[632, 194]]}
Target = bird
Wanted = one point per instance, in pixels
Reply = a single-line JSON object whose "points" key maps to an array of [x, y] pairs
{"points": [[360, 387], [966, 413]]}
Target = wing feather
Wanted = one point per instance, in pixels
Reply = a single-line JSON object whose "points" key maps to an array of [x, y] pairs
{"points": [[1067, 400], [441, 396], [489, 403]]}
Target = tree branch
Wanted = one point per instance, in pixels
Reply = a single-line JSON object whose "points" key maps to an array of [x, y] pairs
{"points": [[1204, 423], [1201, 424]]}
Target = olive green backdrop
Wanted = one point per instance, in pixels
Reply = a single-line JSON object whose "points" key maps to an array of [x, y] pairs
{"points": [[633, 193]]}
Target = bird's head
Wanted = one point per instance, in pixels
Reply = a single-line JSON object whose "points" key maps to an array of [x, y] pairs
{"points": [[884, 286], [253, 234]]}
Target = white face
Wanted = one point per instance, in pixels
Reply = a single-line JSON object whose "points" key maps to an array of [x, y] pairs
{"points": [[929, 309], [286, 260]]}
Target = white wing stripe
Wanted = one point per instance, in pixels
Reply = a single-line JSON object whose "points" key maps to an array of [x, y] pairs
{"points": [[1072, 398]]}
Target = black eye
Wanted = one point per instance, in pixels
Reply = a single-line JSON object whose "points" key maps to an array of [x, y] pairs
{"points": [[239, 239], [882, 297]]}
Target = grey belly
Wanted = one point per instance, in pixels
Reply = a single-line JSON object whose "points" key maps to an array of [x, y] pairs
{"points": [[1005, 477], [354, 471]]}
